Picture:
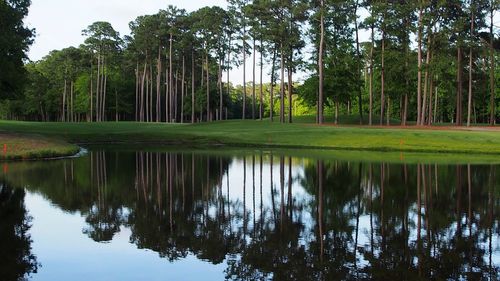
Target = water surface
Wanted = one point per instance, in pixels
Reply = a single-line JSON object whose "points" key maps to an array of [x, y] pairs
{"points": [[122, 214]]}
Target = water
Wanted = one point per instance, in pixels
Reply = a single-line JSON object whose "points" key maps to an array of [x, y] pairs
{"points": [[119, 214]]}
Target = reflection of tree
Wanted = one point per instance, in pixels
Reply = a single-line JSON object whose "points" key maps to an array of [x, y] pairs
{"points": [[330, 220], [103, 220], [16, 259], [103, 223], [172, 215]]}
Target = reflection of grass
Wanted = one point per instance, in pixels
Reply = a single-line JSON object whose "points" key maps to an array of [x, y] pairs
{"points": [[315, 154], [266, 134], [15, 146]]}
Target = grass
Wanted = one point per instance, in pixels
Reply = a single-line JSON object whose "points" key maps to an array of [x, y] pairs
{"points": [[16, 147], [266, 134], [343, 119]]}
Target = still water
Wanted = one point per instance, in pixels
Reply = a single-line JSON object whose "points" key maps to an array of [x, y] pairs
{"points": [[120, 214]]}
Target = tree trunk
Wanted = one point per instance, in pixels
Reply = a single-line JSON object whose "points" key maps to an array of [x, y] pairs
{"points": [[290, 89], [320, 63], [426, 79], [116, 105], [336, 120], [358, 64], [244, 74], [182, 88], [228, 68], [192, 87], [221, 89], [407, 79], [176, 95], [98, 88], [382, 78], [92, 94], [146, 98], [101, 91], [72, 119], [388, 111], [151, 85], [105, 74], [63, 110], [136, 93], [431, 89], [282, 86], [419, 63], [459, 86], [170, 79], [370, 110], [142, 92], [469, 104], [221, 93], [405, 115], [261, 93], [167, 92], [158, 86], [208, 89], [271, 91], [253, 80], [434, 116], [492, 67]]}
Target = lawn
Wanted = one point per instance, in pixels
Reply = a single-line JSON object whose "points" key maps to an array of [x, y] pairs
{"points": [[15, 146], [266, 134]]}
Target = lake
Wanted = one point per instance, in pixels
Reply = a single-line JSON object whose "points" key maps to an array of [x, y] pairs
{"points": [[192, 214]]}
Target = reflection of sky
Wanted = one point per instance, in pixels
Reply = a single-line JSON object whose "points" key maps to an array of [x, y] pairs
{"points": [[236, 180], [236, 177], [65, 253]]}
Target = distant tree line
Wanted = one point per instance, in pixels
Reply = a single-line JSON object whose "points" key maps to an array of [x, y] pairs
{"points": [[425, 61]]}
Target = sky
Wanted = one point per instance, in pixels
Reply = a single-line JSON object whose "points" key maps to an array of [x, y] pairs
{"points": [[59, 23]]}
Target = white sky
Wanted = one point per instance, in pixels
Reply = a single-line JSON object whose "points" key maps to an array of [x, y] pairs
{"points": [[59, 23]]}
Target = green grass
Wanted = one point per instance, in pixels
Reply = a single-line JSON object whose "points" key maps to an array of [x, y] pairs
{"points": [[343, 119], [15, 147], [266, 134]]}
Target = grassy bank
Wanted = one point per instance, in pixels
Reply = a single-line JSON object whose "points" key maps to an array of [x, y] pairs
{"points": [[266, 134], [16, 146]]}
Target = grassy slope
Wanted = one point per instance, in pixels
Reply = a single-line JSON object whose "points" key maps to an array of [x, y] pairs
{"points": [[15, 146], [256, 133]]}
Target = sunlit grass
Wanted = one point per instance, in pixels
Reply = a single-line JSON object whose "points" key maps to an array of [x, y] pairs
{"points": [[15, 146], [267, 134]]}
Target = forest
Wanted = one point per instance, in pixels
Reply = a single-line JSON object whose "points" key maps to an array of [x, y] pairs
{"points": [[422, 62]]}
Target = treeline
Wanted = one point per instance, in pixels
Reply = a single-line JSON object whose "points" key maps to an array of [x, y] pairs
{"points": [[423, 62]]}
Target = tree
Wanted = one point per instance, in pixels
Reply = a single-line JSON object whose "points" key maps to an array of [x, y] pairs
{"points": [[494, 5], [320, 62], [239, 9], [172, 53], [211, 29], [295, 16], [14, 43], [104, 42]]}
